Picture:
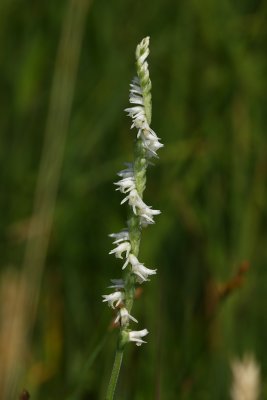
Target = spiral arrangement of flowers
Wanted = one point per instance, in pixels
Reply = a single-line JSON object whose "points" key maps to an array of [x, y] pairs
{"points": [[132, 184]]}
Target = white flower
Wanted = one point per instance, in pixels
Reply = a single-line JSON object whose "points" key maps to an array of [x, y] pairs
{"points": [[123, 317], [125, 184], [146, 213], [136, 202], [117, 284], [139, 269], [140, 208], [135, 86], [246, 379], [116, 297], [120, 236], [136, 96], [146, 131], [137, 113], [150, 140], [135, 336], [152, 144], [121, 248], [127, 172], [134, 199]]}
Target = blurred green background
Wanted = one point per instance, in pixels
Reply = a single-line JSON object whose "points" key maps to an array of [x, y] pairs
{"points": [[60, 153]]}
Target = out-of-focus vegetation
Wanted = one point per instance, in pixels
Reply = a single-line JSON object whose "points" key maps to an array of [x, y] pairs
{"points": [[208, 303]]}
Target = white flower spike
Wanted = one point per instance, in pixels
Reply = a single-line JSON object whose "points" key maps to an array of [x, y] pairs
{"points": [[132, 184]]}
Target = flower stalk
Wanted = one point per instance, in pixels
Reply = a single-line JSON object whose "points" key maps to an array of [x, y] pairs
{"points": [[132, 184]]}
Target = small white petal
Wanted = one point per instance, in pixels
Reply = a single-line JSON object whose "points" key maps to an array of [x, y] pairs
{"points": [[126, 184], [127, 172], [126, 263], [117, 284], [136, 99], [120, 236]]}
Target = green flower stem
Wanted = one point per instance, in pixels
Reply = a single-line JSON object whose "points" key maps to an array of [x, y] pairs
{"points": [[114, 374]]}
